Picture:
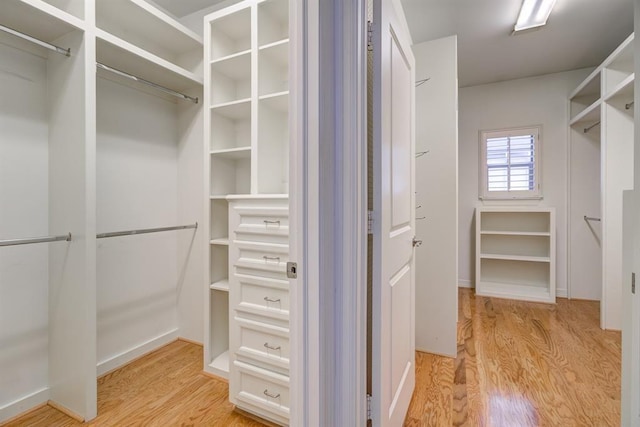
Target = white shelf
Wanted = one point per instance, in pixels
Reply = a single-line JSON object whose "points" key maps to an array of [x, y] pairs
{"points": [[220, 365], [589, 86], [515, 258], [233, 153], [624, 88], [589, 114], [507, 290], [147, 27], [38, 19], [278, 101], [117, 53], [514, 233], [221, 285], [515, 253], [220, 242], [235, 110], [278, 51]]}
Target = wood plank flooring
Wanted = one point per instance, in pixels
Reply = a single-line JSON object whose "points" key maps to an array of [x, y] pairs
{"points": [[164, 388], [518, 365], [522, 364]]}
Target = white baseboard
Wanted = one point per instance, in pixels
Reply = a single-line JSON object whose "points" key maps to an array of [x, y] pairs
{"points": [[136, 352], [24, 404], [562, 293], [465, 284]]}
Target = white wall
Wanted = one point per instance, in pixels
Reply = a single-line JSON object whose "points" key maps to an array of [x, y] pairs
{"points": [[137, 187], [532, 101], [437, 193], [24, 201]]}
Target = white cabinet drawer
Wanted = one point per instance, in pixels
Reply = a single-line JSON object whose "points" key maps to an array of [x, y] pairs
{"points": [[258, 258], [260, 390], [263, 296], [264, 344], [262, 224]]}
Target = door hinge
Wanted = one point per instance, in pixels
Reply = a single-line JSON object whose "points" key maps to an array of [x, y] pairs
{"points": [[292, 270], [369, 407], [633, 283], [369, 222], [369, 35]]}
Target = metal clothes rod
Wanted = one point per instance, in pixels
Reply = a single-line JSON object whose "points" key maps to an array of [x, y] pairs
{"points": [[629, 105], [590, 218], [422, 81], [57, 49], [46, 239], [591, 127], [145, 231], [147, 82]]}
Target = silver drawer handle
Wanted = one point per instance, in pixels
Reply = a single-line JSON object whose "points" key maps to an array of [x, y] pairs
{"points": [[267, 299], [266, 345], [267, 222], [271, 258], [273, 396]]}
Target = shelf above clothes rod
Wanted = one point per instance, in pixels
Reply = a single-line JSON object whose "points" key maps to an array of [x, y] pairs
{"points": [[46, 45], [29, 241], [587, 129], [147, 82], [146, 231]]}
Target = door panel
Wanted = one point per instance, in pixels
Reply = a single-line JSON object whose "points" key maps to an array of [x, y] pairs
{"points": [[393, 333]]}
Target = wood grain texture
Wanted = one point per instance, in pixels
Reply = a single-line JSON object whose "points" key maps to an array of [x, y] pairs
{"points": [[165, 388], [519, 364], [522, 364]]}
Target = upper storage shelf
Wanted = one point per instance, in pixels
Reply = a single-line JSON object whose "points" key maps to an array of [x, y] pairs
{"points": [[137, 23], [38, 19], [273, 21], [231, 34], [613, 76]]}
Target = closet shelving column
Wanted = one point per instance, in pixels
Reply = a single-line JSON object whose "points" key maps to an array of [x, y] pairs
{"points": [[246, 133], [48, 290], [602, 113], [515, 253], [230, 61]]}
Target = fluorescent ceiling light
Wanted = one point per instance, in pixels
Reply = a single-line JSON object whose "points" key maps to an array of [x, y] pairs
{"points": [[534, 13]]}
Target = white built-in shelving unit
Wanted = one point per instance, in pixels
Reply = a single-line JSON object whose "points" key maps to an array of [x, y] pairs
{"points": [[106, 153], [515, 253], [247, 146], [601, 168]]}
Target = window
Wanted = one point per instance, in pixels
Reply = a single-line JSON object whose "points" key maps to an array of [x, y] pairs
{"points": [[510, 164]]}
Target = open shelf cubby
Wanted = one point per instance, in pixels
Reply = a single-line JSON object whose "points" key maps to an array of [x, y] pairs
{"points": [[230, 34], [231, 78], [515, 253], [273, 21], [231, 126]]}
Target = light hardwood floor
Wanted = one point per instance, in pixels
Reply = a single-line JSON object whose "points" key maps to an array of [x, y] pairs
{"points": [[519, 364], [522, 364]]}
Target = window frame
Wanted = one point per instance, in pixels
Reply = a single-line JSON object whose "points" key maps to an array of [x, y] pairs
{"points": [[483, 190]]}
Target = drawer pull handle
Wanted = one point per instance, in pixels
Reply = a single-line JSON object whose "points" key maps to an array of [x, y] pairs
{"points": [[271, 258], [266, 345], [267, 222], [267, 299], [273, 396]]}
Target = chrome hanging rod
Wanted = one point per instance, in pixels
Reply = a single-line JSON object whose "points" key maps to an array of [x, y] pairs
{"points": [[590, 218], [58, 49], [422, 81], [147, 82], [586, 130], [46, 239], [145, 231], [421, 153], [629, 105]]}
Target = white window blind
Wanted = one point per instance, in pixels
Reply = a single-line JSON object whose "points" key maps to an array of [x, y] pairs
{"points": [[510, 164]]}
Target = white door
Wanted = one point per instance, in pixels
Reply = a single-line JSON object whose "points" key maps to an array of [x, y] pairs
{"points": [[393, 342]]}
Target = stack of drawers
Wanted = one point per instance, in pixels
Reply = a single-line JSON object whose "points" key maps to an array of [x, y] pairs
{"points": [[259, 306]]}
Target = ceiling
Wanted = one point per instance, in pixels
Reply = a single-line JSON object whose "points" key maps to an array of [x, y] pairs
{"points": [[579, 34]]}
